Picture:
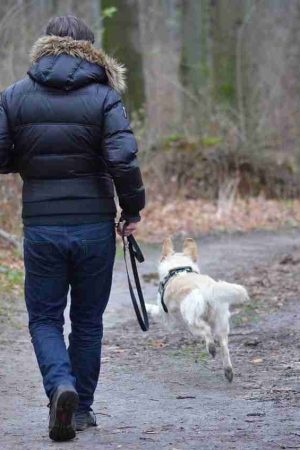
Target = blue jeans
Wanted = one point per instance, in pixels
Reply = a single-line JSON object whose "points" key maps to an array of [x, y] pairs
{"points": [[56, 257]]}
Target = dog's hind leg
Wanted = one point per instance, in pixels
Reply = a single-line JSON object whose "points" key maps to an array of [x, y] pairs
{"points": [[221, 332], [203, 330], [192, 309], [228, 371]]}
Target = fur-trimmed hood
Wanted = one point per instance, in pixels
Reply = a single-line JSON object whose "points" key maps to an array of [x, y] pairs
{"points": [[84, 50]]}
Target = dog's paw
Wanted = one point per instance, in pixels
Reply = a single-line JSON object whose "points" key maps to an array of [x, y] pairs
{"points": [[212, 349], [228, 374]]}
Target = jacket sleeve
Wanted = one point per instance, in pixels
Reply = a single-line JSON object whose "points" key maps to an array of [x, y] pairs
{"points": [[119, 153], [6, 143]]}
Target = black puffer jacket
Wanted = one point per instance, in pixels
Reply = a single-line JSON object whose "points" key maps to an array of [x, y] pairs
{"points": [[64, 129]]}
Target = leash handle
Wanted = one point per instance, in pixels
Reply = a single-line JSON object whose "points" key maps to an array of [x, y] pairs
{"points": [[135, 253], [136, 249]]}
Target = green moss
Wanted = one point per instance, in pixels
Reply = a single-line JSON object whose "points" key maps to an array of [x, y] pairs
{"points": [[226, 92], [172, 138], [179, 144], [109, 12], [211, 141]]}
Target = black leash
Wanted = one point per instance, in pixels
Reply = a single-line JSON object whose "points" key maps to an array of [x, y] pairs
{"points": [[135, 253]]}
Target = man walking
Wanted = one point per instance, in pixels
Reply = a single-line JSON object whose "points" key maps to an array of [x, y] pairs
{"points": [[64, 129]]}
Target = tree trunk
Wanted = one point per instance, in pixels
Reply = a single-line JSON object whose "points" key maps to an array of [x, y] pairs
{"points": [[161, 46], [195, 63], [271, 44], [227, 17], [121, 39]]}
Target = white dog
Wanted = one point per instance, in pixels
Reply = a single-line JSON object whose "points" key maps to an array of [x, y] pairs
{"points": [[194, 300]]}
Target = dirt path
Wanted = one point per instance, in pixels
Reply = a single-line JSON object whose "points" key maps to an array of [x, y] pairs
{"points": [[163, 392]]}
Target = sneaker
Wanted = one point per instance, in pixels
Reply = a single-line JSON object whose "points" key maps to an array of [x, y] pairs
{"points": [[85, 419], [63, 404]]}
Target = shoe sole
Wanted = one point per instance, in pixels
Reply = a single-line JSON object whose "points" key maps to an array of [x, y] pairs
{"points": [[85, 427], [63, 428]]}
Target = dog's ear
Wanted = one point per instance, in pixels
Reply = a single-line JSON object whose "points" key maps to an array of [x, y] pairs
{"points": [[190, 249], [167, 249]]}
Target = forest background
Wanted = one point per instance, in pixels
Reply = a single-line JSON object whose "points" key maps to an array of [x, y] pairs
{"points": [[213, 96]]}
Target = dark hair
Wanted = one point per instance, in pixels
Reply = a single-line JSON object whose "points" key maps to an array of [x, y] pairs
{"points": [[70, 26]]}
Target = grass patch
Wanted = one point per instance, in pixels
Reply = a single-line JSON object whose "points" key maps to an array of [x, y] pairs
{"points": [[190, 351], [11, 280], [249, 314], [11, 288]]}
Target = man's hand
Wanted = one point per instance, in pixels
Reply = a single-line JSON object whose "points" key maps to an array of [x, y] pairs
{"points": [[129, 228]]}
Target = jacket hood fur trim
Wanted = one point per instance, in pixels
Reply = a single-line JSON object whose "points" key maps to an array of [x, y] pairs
{"points": [[56, 45]]}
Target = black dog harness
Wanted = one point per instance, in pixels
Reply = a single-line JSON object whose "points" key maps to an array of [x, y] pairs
{"points": [[172, 273]]}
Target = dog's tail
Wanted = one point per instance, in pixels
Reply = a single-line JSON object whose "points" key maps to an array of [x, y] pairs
{"points": [[230, 293], [152, 309]]}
